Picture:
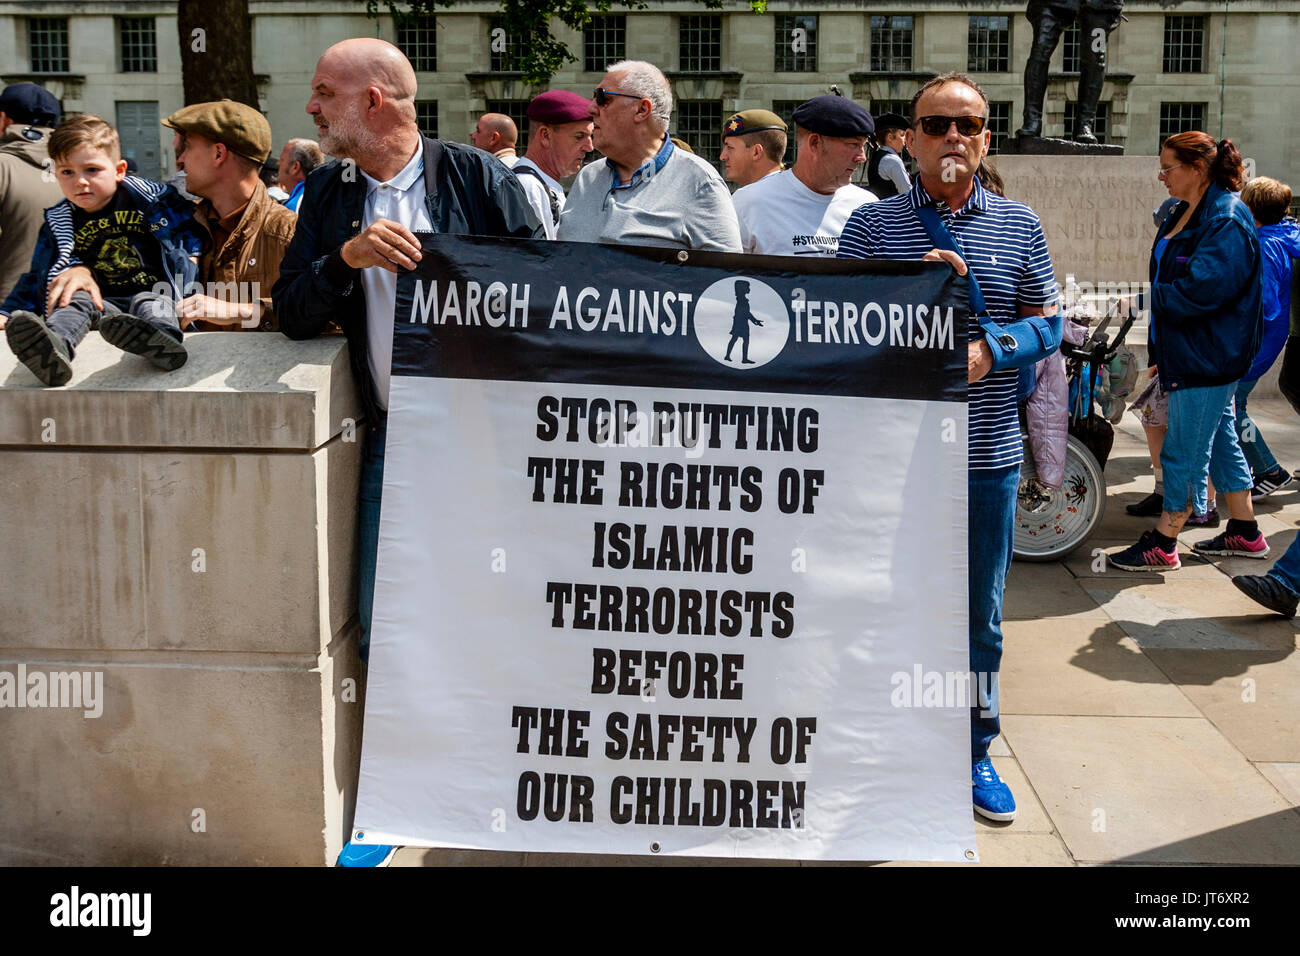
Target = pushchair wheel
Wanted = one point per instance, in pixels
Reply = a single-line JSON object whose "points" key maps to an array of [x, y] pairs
{"points": [[1051, 522]]}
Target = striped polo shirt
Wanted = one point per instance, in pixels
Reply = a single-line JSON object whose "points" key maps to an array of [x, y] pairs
{"points": [[1003, 242]]}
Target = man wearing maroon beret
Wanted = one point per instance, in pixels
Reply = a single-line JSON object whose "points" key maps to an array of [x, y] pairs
{"points": [[559, 138]]}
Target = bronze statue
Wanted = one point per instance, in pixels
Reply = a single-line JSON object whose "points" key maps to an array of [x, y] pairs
{"points": [[1097, 19]]}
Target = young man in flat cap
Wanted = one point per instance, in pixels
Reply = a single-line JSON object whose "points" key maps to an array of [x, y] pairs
{"points": [[753, 145], [222, 146], [886, 174], [28, 114], [801, 211], [559, 138]]}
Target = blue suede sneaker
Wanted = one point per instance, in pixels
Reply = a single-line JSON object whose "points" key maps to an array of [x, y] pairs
{"points": [[366, 854], [993, 798]]}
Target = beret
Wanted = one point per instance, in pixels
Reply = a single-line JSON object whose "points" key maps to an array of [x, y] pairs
{"points": [[752, 121], [29, 103], [240, 127], [832, 115], [887, 121], [559, 106]]}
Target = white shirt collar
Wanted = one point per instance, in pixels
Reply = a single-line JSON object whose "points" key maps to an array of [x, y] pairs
{"points": [[554, 184], [405, 179]]}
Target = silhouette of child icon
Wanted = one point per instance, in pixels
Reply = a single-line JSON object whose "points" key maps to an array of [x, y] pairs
{"points": [[740, 323]]}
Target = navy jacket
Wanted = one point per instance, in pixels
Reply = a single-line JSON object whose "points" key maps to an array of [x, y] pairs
{"points": [[1206, 311], [467, 193], [170, 218]]}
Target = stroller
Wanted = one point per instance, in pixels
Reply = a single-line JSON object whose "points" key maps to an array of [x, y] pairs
{"points": [[1051, 523]]}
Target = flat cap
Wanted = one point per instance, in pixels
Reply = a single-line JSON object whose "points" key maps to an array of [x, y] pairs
{"points": [[29, 103], [887, 121], [559, 106], [752, 121], [240, 127], [832, 115]]}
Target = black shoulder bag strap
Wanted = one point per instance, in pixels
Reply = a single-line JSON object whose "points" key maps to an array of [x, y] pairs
{"points": [[555, 203]]}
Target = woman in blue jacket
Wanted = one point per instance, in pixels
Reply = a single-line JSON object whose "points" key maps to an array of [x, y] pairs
{"points": [[1206, 324]]}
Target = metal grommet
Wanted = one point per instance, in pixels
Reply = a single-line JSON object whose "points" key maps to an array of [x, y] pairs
{"points": [[970, 854], [654, 847], [683, 255]]}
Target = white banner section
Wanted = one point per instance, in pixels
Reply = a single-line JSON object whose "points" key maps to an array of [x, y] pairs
{"points": [[653, 620]]}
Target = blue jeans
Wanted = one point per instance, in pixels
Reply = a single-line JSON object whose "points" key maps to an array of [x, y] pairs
{"points": [[1253, 446], [372, 488], [1201, 440], [1287, 568], [991, 510]]}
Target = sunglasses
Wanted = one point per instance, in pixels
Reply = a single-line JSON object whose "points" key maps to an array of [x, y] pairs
{"points": [[602, 97], [938, 125]]}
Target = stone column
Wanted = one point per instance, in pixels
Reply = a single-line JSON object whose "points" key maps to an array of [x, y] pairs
{"points": [[186, 543]]}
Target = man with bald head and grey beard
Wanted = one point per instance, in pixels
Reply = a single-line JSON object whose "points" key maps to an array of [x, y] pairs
{"points": [[357, 230]]}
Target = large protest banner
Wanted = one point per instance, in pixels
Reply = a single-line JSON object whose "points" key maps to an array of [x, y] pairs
{"points": [[671, 546]]}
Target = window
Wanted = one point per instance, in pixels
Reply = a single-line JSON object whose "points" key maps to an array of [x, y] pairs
{"points": [[796, 43], [901, 107], [785, 109], [1100, 129], [999, 124], [47, 44], [699, 122], [988, 45], [1070, 45], [426, 117], [604, 41], [517, 110], [891, 44], [1184, 44], [700, 44], [505, 50], [1179, 118], [137, 45], [417, 37]]}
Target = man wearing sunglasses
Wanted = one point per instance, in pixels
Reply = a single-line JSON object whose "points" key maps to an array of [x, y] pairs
{"points": [[801, 211], [646, 192], [1002, 243]]}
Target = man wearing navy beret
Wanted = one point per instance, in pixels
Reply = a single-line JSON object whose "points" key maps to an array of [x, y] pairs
{"points": [[802, 210]]}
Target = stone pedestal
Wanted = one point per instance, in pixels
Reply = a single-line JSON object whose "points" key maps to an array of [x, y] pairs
{"points": [[1096, 212], [187, 540]]}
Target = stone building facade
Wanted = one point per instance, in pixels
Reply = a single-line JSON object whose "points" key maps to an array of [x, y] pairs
{"points": [[1176, 64]]}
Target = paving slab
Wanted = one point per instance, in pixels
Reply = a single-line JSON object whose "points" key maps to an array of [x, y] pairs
{"points": [[1252, 697], [1284, 776], [1083, 668], [1035, 591], [1153, 790], [1191, 615]]}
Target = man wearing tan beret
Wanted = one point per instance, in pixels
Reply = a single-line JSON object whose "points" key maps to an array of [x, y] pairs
{"points": [[222, 146]]}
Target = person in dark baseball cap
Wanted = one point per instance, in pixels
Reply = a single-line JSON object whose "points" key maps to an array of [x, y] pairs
{"points": [[559, 139], [27, 114], [753, 145], [30, 104], [886, 173]]}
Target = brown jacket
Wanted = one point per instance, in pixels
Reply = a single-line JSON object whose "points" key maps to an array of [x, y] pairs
{"points": [[25, 194], [251, 255]]}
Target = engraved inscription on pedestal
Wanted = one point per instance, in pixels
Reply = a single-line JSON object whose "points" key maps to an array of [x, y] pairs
{"points": [[1096, 212]]}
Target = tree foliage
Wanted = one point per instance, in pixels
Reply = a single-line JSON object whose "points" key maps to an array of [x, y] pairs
{"points": [[541, 55]]}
